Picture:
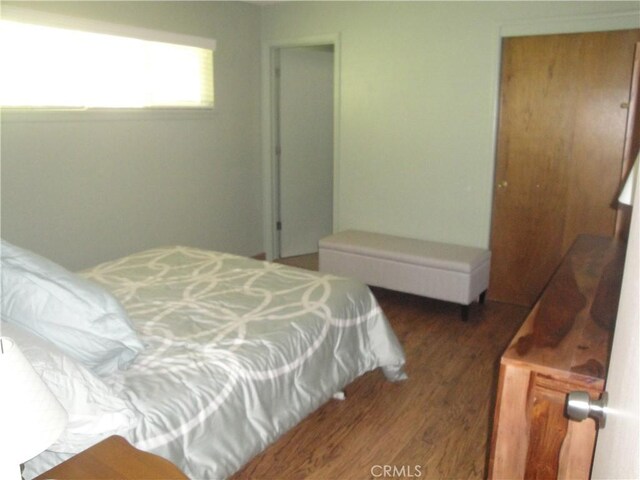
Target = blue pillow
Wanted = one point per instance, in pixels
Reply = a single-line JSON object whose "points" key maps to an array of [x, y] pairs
{"points": [[78, 316]]}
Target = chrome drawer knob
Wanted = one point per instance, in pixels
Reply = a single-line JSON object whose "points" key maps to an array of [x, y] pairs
{"points": [[580, 406]]}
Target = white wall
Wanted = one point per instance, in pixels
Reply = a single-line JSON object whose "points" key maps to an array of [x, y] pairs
{"points": [[418, 92], [617, 446], [82, 187]]}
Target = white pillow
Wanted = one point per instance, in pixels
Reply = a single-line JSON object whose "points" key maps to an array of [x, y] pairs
{"points": [[77, 315], [95, 410]]}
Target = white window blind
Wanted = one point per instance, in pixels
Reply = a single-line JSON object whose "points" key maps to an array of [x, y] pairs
{"points": [[46, 64]]}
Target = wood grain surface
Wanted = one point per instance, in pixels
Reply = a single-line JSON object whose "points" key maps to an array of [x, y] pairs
{"points": [[570, 328], [562, 346], [562, 127], [114, 459]]}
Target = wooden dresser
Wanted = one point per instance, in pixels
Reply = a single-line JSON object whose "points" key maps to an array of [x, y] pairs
{"points": [[114, 459], [562, 346]]}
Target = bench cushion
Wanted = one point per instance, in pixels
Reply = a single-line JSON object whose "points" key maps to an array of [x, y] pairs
{"points": [[448, 272], [443, 256]]}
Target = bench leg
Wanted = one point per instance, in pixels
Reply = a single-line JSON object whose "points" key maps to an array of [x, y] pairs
{"points": [[465, 308], [482, 297], [465, 312]]}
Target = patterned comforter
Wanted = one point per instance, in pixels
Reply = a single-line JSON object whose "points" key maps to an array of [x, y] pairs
{"points": [[237, 351]]}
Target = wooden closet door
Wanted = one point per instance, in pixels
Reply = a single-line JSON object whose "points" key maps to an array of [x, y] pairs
{"points": [[563, 112]]}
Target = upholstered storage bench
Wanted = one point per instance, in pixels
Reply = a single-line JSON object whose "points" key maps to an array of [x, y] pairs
{"points": [[453, 273]]}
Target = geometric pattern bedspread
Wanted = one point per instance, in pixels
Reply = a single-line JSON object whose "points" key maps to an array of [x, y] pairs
{"points": [[238, 350]]}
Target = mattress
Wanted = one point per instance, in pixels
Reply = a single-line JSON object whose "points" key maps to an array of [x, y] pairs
{"points": [[237, 352]]}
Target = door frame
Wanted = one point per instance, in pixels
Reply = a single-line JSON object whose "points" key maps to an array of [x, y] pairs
{"points": [[623, 20], [306, 216], [270, 134], [545, 26]]}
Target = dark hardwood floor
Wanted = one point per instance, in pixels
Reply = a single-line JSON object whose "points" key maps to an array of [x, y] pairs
{"points": [[434, 425], [310, 262]]}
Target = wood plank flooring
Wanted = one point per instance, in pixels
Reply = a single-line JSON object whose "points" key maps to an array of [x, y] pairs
{"points": [[434, 425]]}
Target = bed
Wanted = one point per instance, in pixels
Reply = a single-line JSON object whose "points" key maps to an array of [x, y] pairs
{"points": [[229, 352]]}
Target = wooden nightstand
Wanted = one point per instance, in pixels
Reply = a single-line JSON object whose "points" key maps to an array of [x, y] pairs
{"points": [[114, 458]]}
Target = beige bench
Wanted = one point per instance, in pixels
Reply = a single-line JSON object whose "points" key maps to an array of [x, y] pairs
{"points": [[453, 273]]}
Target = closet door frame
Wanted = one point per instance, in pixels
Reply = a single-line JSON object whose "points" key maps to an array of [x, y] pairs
{"points": [[553, 192]]}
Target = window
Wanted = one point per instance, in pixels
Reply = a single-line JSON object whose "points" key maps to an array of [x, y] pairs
{"points": [[101, 66]]}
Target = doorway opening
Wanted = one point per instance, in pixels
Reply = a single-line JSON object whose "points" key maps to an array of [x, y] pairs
{"points": [[303, 136]]}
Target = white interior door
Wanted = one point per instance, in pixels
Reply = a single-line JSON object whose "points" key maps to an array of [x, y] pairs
{"points": [[306, 148], [618, 448]]}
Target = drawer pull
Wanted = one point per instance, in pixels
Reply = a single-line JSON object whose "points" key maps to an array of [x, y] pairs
{"points": [[580, 406]]}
